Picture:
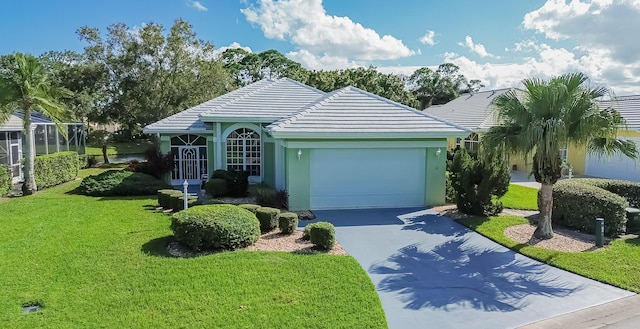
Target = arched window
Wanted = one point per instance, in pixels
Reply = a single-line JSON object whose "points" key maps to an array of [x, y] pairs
{"points": [[243, 151]]}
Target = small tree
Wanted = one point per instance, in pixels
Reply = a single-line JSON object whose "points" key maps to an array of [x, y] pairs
{"points": [[478, 182]]}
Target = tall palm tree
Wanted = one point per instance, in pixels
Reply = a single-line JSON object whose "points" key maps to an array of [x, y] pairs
{"points": [[26, 86], [548, 116]]}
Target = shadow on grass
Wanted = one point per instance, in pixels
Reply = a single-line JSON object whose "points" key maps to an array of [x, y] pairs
{"points": [[158, 247], [633, 242]]}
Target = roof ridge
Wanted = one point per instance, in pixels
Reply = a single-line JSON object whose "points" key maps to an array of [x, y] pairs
{"points": [[250, 93], [309, 107]]}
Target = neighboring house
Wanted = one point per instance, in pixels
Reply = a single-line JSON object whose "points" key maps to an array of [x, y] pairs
{"points": [[47, 140], [344, 149], [475, 112]]}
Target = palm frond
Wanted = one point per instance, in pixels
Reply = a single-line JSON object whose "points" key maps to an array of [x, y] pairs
{"points": [[603, 146]]}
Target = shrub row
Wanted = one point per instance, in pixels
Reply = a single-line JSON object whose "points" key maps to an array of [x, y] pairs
{"points": [[121, 183], [174, 199], [577, 204], [5, 180], [268, 218], [54, 169], [322, 234], [626, 189], [215, 227]]}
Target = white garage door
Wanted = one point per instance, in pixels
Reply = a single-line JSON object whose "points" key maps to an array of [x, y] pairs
{"points": [[367, 178], [616, 167]]}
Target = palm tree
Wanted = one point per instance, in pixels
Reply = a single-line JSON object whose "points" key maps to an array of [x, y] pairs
{"points": [[546, 117], [26, 86]]}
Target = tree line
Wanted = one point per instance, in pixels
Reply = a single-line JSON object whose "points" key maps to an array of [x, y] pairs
{"points": [[136, 76]]}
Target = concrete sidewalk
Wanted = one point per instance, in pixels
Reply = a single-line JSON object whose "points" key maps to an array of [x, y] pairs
{"points": [[620, 314]]}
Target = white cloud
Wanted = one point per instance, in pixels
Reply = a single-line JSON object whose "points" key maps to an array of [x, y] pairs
{"points": [[603, 24], [476, 48], [233, 45], [428, 38], [322, 62], [306, 24], [197, 5]]}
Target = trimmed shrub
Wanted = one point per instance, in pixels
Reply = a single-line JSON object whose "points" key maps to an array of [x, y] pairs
{"points": [[479, 183], [237, 181], [306, 233], [266, 195], [215, 227], [5, 180], [288, 222], [323, 235], [121, 183], [577, 205], [176, 201], [251, 207], [268, 218], [626, 189], [164, 197], [55, 169], [216, 187]]}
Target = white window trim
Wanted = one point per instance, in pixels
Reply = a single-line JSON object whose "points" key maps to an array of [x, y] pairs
{"points": [[258, 130]]}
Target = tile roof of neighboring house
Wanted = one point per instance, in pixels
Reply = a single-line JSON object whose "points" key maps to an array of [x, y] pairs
{"points": [[629, 108], [14, 123], [351, 110], [267, 99], [472, 111]]}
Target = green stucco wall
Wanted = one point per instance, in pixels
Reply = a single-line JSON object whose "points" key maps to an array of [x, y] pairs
{"points": [[435, 176], [268, 164], [297, 179]]}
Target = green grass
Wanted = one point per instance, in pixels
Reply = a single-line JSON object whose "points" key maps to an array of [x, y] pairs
{"points": [[129, 148], [618, 264], [520, 197], [100, 262]]}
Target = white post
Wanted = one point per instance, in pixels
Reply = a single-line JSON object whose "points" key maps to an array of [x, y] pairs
{"points": [[186, 195]]}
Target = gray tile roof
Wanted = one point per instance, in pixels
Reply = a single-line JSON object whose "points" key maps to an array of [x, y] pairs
{"points": [[472, 111], [629, 108], [15, 121], [265, 100], [351, 110]]}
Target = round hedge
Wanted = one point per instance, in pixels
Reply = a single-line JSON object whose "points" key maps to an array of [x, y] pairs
{"points": [[215, 227]]}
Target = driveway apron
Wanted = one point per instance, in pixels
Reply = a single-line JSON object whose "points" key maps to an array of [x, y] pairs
{"points": [[432, 272]]}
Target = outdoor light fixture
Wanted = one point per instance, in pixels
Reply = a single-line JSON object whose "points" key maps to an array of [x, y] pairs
{"points": [[438, 152], [299, 154]]}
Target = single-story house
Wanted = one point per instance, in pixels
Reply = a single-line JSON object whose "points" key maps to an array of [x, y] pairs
{"points": [[475, 112], [344, 149], [47, 140]]}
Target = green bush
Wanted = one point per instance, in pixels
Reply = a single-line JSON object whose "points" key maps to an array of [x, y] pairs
{"points": [[176, 201], [216, 187], [450, 193], [215, 227], [5, 180], [288, 222], [55, 169], [268, 218], [626, 189], [266, 195], [323, 235], [251, 207], [237, 181], [577, 205], [479, 183], [121, 183], [306, 233], [164, 197]]}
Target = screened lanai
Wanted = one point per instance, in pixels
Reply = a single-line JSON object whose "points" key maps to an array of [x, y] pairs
{"points": [[47, 140]]}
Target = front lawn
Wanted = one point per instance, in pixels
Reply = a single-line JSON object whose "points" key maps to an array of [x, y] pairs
{"points": [[100, 262], [618, 264], [129, 148], [520, 197]]}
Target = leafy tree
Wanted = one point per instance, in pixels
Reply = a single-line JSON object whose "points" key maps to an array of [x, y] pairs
{"points": [[26, 86], [478, 181], [548, 116], [440, 86], [248, 67], [152, 75]]}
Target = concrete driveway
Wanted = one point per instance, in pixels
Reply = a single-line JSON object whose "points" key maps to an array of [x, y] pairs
{"points": [[432, 272]]}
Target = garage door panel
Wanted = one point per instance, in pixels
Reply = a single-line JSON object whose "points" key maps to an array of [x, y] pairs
{"points": [[367, 178], [614, 167]]}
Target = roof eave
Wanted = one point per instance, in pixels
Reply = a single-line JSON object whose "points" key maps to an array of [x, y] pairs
{"points": [[367, 135], [211, 118], [175, 131]]}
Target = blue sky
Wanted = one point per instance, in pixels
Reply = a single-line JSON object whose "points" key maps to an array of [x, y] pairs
{"points": [[498, 41]]}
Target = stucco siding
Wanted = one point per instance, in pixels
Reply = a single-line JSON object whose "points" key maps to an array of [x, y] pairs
{"points": [[268, 164], [435, 177]]}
